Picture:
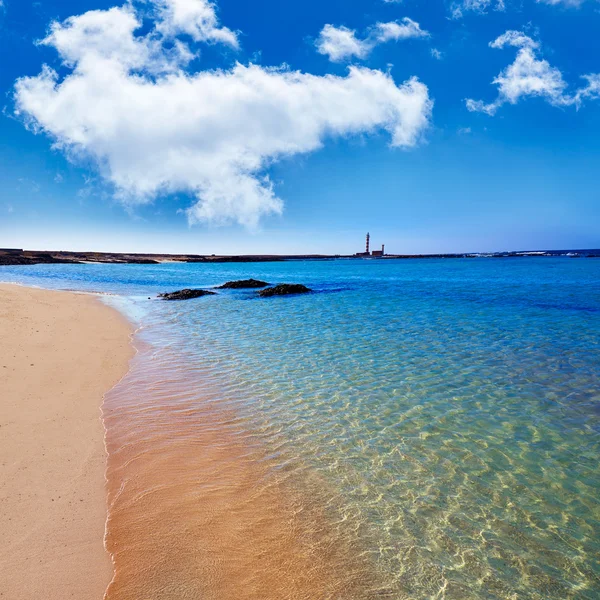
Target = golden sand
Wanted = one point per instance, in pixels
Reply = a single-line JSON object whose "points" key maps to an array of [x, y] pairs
{"points": [[59, 353]]}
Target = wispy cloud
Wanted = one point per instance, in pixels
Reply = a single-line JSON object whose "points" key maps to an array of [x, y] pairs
{"points": [[458, 9], [589, 92], [341, 43], [28, 186], [568, 3], [128, 102], [529, 75]]}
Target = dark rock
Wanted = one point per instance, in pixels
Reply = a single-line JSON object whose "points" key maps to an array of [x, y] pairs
{"points": [[185, 294], [16, 258], [243, 284], [143, 261], [284, 289]]}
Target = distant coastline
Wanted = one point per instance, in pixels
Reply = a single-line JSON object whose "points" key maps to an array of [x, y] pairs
{"points": [[18, 256]]}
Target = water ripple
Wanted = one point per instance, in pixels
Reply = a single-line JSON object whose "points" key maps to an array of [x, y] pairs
{"points": [[443, 416]]}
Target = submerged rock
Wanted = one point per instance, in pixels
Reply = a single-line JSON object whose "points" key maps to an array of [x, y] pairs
{"points": [[243, 284], [185, 294], [284, 289]]}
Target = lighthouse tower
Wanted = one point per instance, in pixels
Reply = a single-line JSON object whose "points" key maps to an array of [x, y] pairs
{"points": [[367, 251]]}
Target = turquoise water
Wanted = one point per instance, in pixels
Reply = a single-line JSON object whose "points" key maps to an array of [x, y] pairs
{"points": [[451, 408]]}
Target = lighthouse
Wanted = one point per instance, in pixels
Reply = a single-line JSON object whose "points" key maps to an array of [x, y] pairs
{"points": [[367, 253]]}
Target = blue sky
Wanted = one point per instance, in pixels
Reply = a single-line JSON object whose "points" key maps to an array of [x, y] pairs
{"points": [[163, 155]]}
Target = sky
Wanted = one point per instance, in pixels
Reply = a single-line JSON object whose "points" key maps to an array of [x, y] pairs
{"points": [[296, 127]]}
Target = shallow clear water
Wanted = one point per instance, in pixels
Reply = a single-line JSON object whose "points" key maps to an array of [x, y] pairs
{"points": [[438, 418]]}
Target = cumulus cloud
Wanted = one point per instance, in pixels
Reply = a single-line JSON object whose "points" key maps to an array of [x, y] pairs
{"points": [[196, 18], [107, 37], [529, 76], [341, 43], [128, 103]]}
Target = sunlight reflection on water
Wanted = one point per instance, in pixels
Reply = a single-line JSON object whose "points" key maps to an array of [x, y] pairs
{"points": [[439, 419]]}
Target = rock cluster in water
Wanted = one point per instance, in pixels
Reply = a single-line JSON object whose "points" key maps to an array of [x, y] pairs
{"points": [[284, 289], [243, 284], [185, 294]]}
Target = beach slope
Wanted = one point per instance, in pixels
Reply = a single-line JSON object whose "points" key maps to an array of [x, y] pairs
{"points": [[59, 354]]}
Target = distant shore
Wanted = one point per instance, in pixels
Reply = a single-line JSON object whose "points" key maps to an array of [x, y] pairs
{"points": [[18, 256], [60, 353]]}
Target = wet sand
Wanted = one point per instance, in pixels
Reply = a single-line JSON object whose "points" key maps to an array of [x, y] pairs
{"points": [[198, 509], [59, 354]]}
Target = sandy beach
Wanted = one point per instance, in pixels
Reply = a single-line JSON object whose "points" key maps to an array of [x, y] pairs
{"points": [[60, 353]]}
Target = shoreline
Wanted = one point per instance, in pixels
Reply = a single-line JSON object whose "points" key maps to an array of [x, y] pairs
{"points": [[197, 507], [61, 353], [67, 537]]}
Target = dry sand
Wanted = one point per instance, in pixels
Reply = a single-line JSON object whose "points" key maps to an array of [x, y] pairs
{"points": [[59, 353]]}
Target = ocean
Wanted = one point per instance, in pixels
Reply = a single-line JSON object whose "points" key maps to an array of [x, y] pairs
{"points": [[413, 429]]}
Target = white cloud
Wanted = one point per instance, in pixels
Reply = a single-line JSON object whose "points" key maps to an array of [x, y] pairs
{"points": [[154, 128], [436, 54], [529, 76], [341, 43], [572, 3], [196, 18], [514, 38], [478, 6], [591, 91], [107, 37], [459, 7], [385, 32]]}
